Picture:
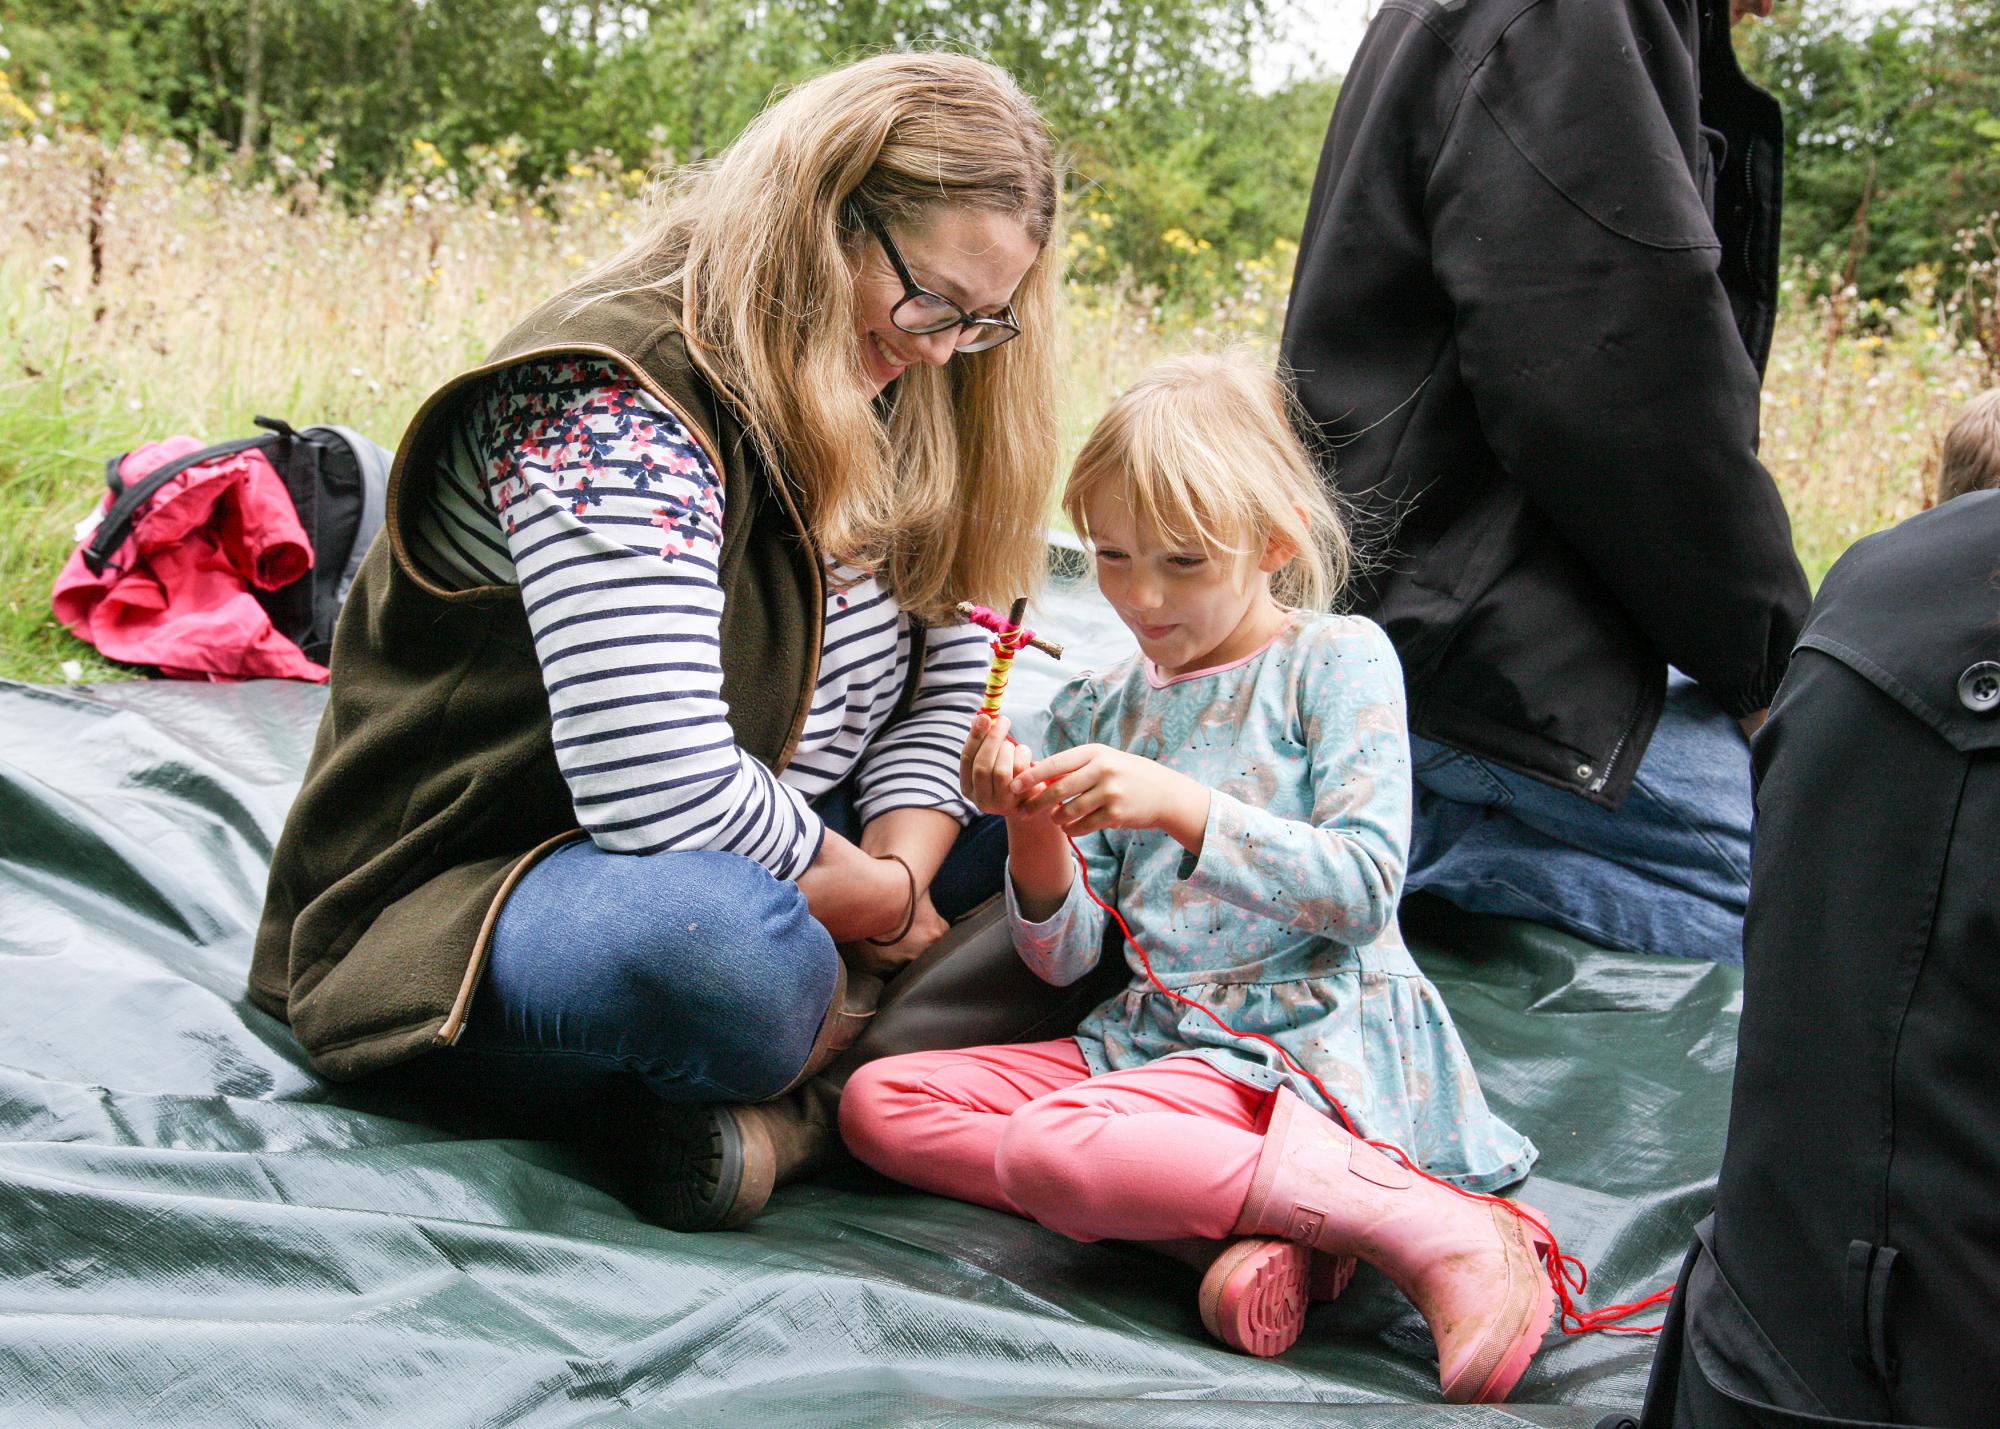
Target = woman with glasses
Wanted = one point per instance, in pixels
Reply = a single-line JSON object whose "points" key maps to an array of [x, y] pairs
{"points": [[650, 699]]}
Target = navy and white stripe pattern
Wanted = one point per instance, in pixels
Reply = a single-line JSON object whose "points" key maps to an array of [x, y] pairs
{"points": [[570, 481]]}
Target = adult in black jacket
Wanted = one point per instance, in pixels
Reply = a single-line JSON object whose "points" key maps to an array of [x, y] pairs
{"points": [[1532, 305], [1852, 1268]]}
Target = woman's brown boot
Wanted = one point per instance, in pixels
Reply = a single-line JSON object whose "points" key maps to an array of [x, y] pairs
{"points": [[713, 1166]]}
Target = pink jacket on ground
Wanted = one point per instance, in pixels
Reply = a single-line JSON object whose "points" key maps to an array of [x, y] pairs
{"points": [[177, 594]]}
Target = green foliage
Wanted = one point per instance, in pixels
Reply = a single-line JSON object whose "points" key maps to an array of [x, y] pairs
{"points": [[1184, 171], [282, 80], [1893, 130], [1180, 204], [1151, 97]]}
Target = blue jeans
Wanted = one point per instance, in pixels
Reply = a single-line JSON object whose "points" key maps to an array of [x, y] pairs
{"points": [[696, 976], [1667, 872]]}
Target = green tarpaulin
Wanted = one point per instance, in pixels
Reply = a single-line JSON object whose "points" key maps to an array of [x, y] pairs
{"points": [[197, 1231]]}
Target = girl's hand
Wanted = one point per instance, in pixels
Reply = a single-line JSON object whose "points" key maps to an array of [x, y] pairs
{"points": [[1037, 858], [1094, 786], [988, 768]]}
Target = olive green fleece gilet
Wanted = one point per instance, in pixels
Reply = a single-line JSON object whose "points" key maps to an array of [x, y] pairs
{"points": [[433, 783]]}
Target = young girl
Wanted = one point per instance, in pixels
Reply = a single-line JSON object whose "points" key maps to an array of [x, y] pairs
{"points": [[1240, 792]]}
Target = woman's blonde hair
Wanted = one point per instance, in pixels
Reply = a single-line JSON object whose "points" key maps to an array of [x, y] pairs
{"points": [[943, 495], [1203, 451]]}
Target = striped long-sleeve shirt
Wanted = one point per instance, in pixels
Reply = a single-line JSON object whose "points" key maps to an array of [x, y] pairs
{"points": [[570, 481]]}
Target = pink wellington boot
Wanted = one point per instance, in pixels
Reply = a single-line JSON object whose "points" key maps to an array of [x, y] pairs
{"points": [[1474, 1269], [1254, 1291]]}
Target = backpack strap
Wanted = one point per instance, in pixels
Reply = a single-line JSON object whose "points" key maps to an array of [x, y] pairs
{"points": [[128, 501]]}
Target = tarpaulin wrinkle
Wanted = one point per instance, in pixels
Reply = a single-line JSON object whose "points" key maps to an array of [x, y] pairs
{"points": [[242, 1245]]}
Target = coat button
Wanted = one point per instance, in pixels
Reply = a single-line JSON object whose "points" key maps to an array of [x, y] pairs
{"points": [[1979, 687]]}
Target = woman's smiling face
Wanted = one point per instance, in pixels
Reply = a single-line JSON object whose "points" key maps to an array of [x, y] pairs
{"points": [[975, 257]]}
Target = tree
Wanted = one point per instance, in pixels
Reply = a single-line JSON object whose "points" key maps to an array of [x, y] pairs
{"points": [[1893, 131]]}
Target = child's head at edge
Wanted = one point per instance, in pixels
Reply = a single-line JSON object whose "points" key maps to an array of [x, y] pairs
{"points": [[1972, 449], [1203, 451]]}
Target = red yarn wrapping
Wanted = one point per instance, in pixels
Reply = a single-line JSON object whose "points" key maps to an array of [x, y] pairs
{"points": [[1008, 641], [1012, 637]]}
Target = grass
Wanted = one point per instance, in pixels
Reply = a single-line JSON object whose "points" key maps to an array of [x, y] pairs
{"points": [[139, 300]]}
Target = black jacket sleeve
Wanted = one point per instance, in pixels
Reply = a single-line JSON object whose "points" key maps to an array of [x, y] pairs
{"points": [[1596, 337]]}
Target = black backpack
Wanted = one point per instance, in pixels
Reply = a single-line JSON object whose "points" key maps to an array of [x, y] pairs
{"points": [[337, 479]]}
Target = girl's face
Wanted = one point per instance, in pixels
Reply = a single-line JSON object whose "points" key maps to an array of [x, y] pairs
{"points": [[975, 257], [1190, 608]]}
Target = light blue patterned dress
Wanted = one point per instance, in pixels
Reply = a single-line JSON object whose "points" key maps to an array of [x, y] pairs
{"points": [[1286, 923]]}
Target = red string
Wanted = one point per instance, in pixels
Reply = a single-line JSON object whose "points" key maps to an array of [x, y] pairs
{"points": [[1567, 1274]]}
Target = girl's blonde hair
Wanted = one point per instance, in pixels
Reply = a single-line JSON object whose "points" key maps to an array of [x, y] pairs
{"points": [[1203, 450], [943, 495]]}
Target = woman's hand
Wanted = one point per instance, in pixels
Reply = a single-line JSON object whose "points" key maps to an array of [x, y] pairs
{"points": [[854, 894], [861, 892], [989, 765], [885, 962], [1094, 786]]}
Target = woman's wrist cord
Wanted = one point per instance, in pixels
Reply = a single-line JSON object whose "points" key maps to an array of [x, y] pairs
{"points": [[909, 913]]}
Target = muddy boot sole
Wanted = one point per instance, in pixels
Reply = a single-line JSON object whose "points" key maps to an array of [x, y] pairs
{"points": [[705, 1169], [1253, 1298]]}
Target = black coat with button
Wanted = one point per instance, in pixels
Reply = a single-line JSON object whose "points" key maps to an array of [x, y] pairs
{"points": [[1852, 1267], [1534, 295]]}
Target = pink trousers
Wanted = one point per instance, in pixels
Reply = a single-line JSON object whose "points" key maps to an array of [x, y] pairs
{"points": [[1161, 1152]]}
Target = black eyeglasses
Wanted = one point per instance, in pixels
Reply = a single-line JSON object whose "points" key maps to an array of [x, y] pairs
{"points": [[921, 312]]}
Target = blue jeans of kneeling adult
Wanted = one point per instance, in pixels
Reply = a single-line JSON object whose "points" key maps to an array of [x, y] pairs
{"points": [[696, 975], [1668, 871]]}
